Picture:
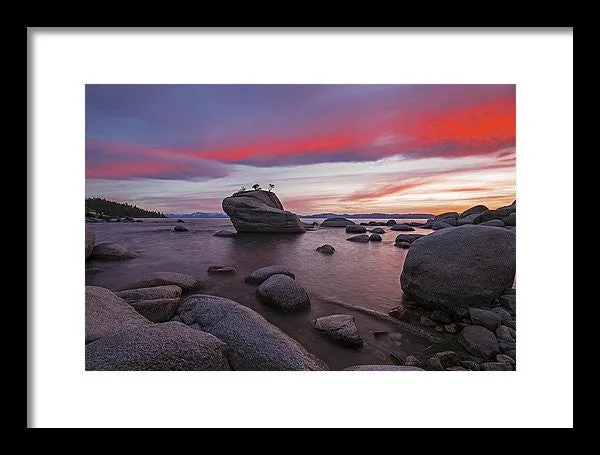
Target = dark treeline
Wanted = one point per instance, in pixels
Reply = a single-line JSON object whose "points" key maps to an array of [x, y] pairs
{"points": [[117, 209]]}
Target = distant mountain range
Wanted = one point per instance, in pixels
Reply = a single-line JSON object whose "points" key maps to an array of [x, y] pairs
{"points": [[317, 215], [371, 215], [197, 215]]}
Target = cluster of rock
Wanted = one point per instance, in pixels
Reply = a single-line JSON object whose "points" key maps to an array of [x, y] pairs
{"points": [[461, 281], [488, 338], [92, 216], [150, 327], [479, 214]]}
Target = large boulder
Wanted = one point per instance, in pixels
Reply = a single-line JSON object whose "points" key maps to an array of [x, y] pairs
{"points": [[185, 282], [469, 219], [341, 328], [440, 224], [260, 275], [511, 220], [169, 346], [476, 210], [479, 341], [260, 211], [494, 223], [107, 314], [455, 269], [283, 292], [446, 215], [501, 213], [254, 343], [337, 222], [112, 251], [355, 229], [90, 241]]}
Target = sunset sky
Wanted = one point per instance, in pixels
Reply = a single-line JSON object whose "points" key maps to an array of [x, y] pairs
{"points": [[326, 148]]}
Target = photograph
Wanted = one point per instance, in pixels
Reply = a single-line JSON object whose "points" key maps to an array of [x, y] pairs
{"points": [[300, 227]]}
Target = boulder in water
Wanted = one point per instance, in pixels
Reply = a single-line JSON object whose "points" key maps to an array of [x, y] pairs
{"points": [[355, 229], [260, 211], [283, 292], [112, 251], [260, 275], [337, 222], [326, 249], [341, 328], [456, 269]]}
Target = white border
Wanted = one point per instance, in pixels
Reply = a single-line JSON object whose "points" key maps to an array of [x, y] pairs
{"points": [[539, 394]]}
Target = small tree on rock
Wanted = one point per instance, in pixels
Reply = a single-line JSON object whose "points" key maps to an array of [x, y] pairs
{"points": [[271, 186], [256, 186]]}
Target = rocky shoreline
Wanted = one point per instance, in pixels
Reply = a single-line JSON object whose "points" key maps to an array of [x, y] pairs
{"points": [[457, 283]]}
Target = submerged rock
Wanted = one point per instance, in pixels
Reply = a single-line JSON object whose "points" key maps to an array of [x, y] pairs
{"points": [[283, 292], [254, 343], [341, 328], [260, 211], [326, 249], [359, 238], [224, 233], [455, 269], [169, 346], [260, 275], [112, 251], [180, 229], [221, 269]]}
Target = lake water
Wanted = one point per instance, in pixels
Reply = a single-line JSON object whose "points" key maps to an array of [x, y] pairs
{"points": [[359, 274]]}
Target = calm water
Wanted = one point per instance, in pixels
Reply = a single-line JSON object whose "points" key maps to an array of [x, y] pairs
{"points": [[365, 275]]}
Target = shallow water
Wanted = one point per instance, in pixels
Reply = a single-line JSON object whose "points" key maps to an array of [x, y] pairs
{"points": [[360, 274]]}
